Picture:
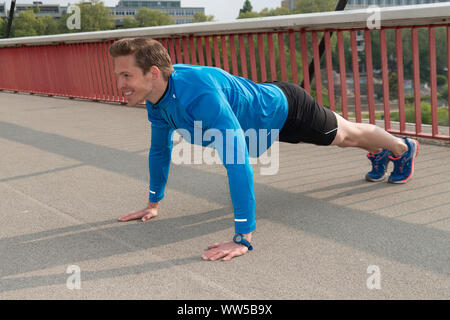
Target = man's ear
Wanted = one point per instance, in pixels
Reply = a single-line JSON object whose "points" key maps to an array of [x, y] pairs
{"points": [[154, 72]]}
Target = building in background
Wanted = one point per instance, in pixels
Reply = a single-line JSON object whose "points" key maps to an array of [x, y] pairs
{"points": [[125, 8], [289, 4], [2, 10], [356, 4], [41, 9], [128, 8]]}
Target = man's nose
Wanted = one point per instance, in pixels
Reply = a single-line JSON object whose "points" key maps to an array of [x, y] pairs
{"points": [[120, 84]]}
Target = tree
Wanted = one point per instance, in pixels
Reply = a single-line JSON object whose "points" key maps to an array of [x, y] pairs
{"points": [[94, 17], [247, 7], [25, 24], [149, 18], [130, 23], [248, 14], [46, 25], [309, 6], [201, 17], [3, 24], [266, 12]]}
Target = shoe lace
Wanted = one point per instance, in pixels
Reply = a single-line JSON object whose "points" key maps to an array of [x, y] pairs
{"points": [[379, 161]]}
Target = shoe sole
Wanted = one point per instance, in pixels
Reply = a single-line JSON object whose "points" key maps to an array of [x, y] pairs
{"points": [[376, 180], [416, 153]]}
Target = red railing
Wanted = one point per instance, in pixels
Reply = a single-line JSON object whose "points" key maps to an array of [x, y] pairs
{"points": [[85, 70]]}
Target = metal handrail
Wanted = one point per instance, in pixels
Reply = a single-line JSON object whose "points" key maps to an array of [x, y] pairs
{"points": [[426, 14]]}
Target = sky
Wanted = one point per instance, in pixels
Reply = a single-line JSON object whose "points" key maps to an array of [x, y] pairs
{"points": [[221, 9]]}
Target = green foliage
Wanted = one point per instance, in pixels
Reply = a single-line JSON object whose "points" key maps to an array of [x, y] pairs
{"points": [[309, 6], [130, 23], [149, 18], [425, 108], [443, 93], [302, 6], [3, 25], [248, 14], [201, 17], [25, 24], [441, 80], [247, 7], [393, 85], [94, 17], [46, 26]]}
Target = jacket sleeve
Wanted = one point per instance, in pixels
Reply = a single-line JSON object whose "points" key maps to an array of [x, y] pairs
{"points": [[159, 157], [215, 113]]}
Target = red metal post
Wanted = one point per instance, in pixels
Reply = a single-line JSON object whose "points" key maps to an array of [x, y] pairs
{"points": [[95, 70], [317, 77], [369, 72], [109, 80], [293, 56], [223, 40], [343, 74], [115, 94], [178, 50], [201, 58], [329, 66], [400, 80], [433, 81], [208, 51], [251, 49], [193, 51], [305, 62], [104, 74], [282, 56], [234, 64], [355, 67], [416, 76], [262, 57], [385, 79], [171, 51], [448, 75], [271, 51], [243, 55], [216, 52], [185, 50]]}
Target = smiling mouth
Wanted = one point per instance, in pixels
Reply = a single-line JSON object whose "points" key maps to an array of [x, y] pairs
{"points": [[128, 93]]}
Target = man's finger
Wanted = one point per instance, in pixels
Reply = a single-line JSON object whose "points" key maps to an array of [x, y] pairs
{"points": [[217, 256], [148, 217], [131, 216], [214, 245], [230, 256]]}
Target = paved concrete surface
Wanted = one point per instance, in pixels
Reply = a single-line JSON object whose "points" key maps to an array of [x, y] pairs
{"points": [[69, 169]]}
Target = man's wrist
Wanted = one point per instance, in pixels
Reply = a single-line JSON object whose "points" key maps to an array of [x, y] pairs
{"points": [[153, 204], [243, 239], [247, 236]]}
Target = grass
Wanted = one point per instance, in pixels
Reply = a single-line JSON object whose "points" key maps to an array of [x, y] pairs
{"points": [[410, 116]]}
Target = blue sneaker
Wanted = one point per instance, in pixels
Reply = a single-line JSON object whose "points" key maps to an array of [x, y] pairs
{"points": [[379, 166], [404, 165]]}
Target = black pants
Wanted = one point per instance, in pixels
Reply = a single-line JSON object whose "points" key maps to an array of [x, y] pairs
{"points": [[307, 121]]}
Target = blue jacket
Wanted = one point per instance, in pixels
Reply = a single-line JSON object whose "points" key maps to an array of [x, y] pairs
{"points": [[200, 98]]}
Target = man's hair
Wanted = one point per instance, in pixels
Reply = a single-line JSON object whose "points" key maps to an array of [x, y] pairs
{"points": [[147, 53]]}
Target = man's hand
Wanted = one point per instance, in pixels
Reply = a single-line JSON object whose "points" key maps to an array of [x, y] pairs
{"points": [[150, 211], [226, 250]]}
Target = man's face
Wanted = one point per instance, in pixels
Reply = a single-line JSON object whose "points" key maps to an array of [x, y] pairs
{"points": [[131, 81]]}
